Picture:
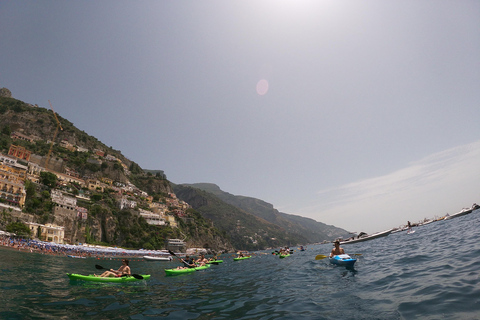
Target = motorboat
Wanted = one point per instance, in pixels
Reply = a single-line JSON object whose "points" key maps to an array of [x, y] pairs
{"points": [[157, 258], [366, 237], [459, 214]]}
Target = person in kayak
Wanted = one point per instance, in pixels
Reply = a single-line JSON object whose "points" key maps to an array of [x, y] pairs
{"points": [[188, 262], [214, 258], [201, 261], [337, 249], [123, 270]]}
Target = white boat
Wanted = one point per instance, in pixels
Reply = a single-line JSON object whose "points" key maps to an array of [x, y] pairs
{"points": [[426, 222], [154, 258], [459, 214], [368, 237]]}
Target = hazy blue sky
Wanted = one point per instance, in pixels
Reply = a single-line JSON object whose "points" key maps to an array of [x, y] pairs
{"points": [[360, 114]]}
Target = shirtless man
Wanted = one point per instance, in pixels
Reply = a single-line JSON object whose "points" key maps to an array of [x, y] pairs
{"points": [[123, 270], [202, 260], [337, 250], [214, 258]]}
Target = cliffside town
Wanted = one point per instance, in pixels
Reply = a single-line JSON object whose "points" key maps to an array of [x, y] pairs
{"points": [[19, 165], [92, 185], [68, 187]]}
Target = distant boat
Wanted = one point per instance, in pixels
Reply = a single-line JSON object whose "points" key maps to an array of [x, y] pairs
{"points": [[153, 258], [426, 222], [368, 237], [459, 214]]}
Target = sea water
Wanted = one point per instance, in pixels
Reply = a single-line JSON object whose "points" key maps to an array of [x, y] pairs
{"points": [[430, 274]]}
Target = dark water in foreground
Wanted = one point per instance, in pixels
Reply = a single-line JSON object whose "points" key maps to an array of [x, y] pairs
{"points": [[431, 274]]}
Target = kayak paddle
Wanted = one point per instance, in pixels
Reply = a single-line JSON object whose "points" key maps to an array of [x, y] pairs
{"points": [[136, 276], [184, 262]]}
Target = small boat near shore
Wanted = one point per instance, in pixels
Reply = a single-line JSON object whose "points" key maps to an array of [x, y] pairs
{"points": [[366, 237], [156, 258]]}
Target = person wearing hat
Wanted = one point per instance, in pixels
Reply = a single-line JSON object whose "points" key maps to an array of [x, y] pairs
{"points": [[337, 249]]}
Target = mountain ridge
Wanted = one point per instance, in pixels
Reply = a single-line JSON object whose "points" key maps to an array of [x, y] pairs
{"points": [[252, 223], [313, 230]]}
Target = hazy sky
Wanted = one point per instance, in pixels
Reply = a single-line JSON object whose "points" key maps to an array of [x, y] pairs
{"points": [[360, 114]]}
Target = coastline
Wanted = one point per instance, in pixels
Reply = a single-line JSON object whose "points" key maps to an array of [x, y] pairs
{"points": [[74, 251]]}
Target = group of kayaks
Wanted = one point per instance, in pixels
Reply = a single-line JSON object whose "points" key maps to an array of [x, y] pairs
{"points": [[175, 271], [341, 260], [136, 277]]}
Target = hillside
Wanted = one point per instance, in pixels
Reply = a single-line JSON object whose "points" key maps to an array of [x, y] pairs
{"points": [[106, 223], [245, 230], [313, 231], [217, 219]]}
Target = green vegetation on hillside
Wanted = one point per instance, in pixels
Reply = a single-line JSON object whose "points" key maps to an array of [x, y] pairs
{"points": [[106, 223], [217, 219], [246, 231], [308, 229]]}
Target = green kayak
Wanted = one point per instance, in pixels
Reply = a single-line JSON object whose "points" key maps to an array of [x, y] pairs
{"points": [[215, 261], [284, 255], [187, 270], [74, 276], [241, 258]]}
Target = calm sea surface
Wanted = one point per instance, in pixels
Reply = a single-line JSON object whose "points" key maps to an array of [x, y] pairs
{"points": [[433, 273]]}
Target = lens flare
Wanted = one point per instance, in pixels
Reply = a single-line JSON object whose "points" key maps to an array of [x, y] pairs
{"points": [[262, 87]]}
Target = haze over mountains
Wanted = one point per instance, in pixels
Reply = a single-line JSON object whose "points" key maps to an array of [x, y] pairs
{"points": [[242, 222], [312, 230]]}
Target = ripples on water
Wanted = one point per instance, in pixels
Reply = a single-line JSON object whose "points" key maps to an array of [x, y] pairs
{"points": [[431, 274]]}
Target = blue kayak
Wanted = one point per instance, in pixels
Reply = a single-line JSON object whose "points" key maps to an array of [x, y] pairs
{"points": [[343, 260]]}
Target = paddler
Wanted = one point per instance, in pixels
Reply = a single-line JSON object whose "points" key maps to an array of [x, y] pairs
{"points": [[123, 270], [202, 260], [213, 259], [337, 250], [189, 263]]}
